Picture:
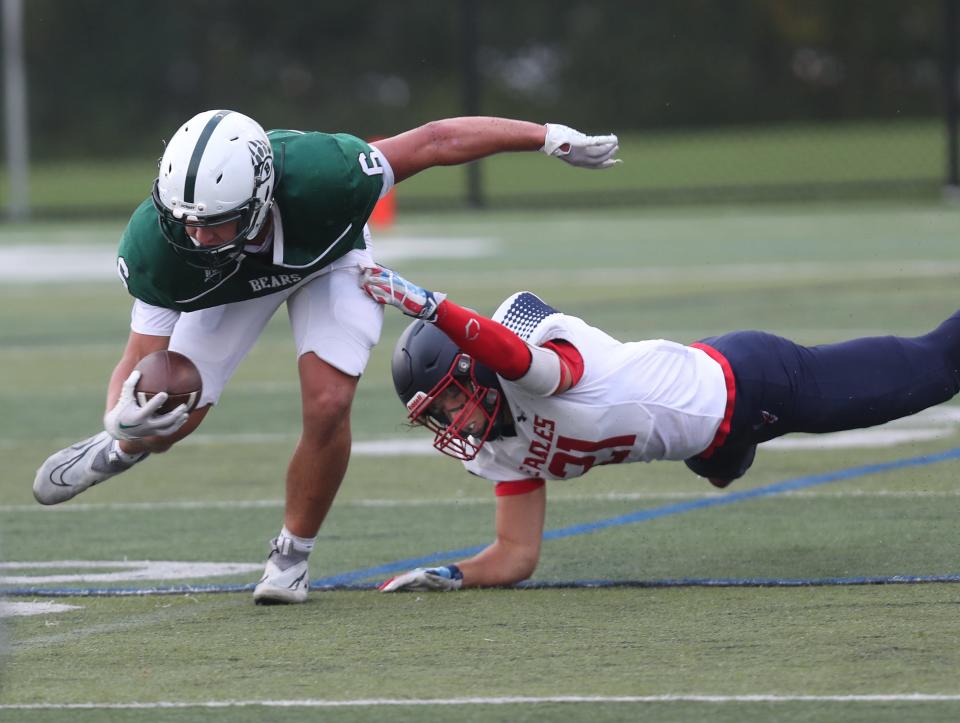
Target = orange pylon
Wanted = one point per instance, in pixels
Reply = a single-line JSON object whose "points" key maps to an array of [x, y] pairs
{"points": [[385, 211]]}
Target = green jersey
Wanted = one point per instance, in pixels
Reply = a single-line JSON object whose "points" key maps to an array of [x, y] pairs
{"points": [[326, 188]]}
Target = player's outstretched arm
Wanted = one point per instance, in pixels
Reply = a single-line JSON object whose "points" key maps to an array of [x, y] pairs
{"points": [[511, 558], [453, 141], [540, 370]]}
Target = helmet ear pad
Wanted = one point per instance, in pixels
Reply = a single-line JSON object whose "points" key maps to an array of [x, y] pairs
{"points": [[422, 356]]}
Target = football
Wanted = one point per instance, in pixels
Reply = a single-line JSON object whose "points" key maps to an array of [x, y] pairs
{"points": [[170, 372]]}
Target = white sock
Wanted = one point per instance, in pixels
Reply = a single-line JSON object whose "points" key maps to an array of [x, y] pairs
{"points": [[302, 544], [124, 456]]}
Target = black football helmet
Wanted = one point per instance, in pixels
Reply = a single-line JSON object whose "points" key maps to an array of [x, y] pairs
{"points": [[426, 366]]}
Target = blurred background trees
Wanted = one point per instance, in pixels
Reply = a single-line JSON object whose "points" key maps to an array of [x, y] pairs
{"points": [[111, 77], [769, 83]]}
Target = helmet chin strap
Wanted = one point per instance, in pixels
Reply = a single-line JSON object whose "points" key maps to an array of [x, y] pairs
{"points": [[266, 231], [502, 425], [214, 249]]}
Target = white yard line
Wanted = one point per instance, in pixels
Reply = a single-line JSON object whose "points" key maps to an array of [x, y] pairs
{"points": [[35, 263], [501, 700], [58, 262], [462, 501], [858, 439], [933, 423], [412, 446], [763, 274], [121, 571], [85, 261], [23, 609]]}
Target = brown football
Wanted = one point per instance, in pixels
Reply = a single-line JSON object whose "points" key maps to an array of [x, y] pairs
{"points": [[170, 372]]}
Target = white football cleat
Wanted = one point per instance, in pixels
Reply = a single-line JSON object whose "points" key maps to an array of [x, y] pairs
{"points": [[70, 471], [286, 578]]}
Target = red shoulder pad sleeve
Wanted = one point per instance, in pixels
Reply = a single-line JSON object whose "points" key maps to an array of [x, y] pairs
{"points": [[570, 358], [517, 487]]}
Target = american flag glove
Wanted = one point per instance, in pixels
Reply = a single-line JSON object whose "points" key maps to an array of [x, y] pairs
{"points": [[390, 288]]}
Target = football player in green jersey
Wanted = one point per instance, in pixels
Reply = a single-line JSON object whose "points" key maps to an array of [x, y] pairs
{"points": [[240, 222]]}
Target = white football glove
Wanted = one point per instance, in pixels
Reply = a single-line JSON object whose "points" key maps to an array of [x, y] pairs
{"points": [[429, 579], [388, 287], [580, 150], [128, 420]]}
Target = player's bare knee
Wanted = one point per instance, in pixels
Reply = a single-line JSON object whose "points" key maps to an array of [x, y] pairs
{"points": [[327, 409]]}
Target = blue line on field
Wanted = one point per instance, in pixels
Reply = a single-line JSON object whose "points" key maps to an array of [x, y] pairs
{"points": [[744, 582], [40, 592], [654, 513], [349, 580]]}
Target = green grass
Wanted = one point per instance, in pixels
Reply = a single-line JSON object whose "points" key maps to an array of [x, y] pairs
{"points": [[813, 272], [715, 161]]}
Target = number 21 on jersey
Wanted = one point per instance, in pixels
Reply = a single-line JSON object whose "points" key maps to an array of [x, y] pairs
{"points": [[607, 451]]}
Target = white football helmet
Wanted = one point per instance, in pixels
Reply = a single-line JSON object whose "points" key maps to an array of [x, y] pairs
{"points": [[217, 168]]}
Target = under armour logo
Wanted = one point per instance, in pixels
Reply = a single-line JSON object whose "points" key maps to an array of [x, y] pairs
{"points": [[472, 330], [766, 419], [521, 417]]}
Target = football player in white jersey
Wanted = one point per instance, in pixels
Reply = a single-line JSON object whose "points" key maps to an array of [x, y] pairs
{"points": [[533, 394]]}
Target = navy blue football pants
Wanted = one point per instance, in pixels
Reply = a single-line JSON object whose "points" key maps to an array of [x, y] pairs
{"points": [[784, 387]]}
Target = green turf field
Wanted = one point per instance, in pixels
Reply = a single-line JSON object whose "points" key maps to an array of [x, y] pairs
{"points": [[747, 653]]}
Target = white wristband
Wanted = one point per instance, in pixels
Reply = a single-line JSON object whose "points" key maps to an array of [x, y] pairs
{"points": [[543, 376], [556, 136]]}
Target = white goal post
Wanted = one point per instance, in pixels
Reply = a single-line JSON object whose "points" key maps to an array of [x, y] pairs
{"points": [[16, 134]]}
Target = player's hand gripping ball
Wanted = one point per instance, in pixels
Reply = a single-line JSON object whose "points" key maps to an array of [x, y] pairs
{"points": [[170, 372]]}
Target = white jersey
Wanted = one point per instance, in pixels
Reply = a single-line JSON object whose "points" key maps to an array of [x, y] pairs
{"points": [[636, 402]]}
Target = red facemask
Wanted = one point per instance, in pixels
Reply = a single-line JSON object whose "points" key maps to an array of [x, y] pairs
{"points": [[451, 434]]}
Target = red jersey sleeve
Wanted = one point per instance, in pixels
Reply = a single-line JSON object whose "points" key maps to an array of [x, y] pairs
{"points": [[490, 343], [495, 346]]}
